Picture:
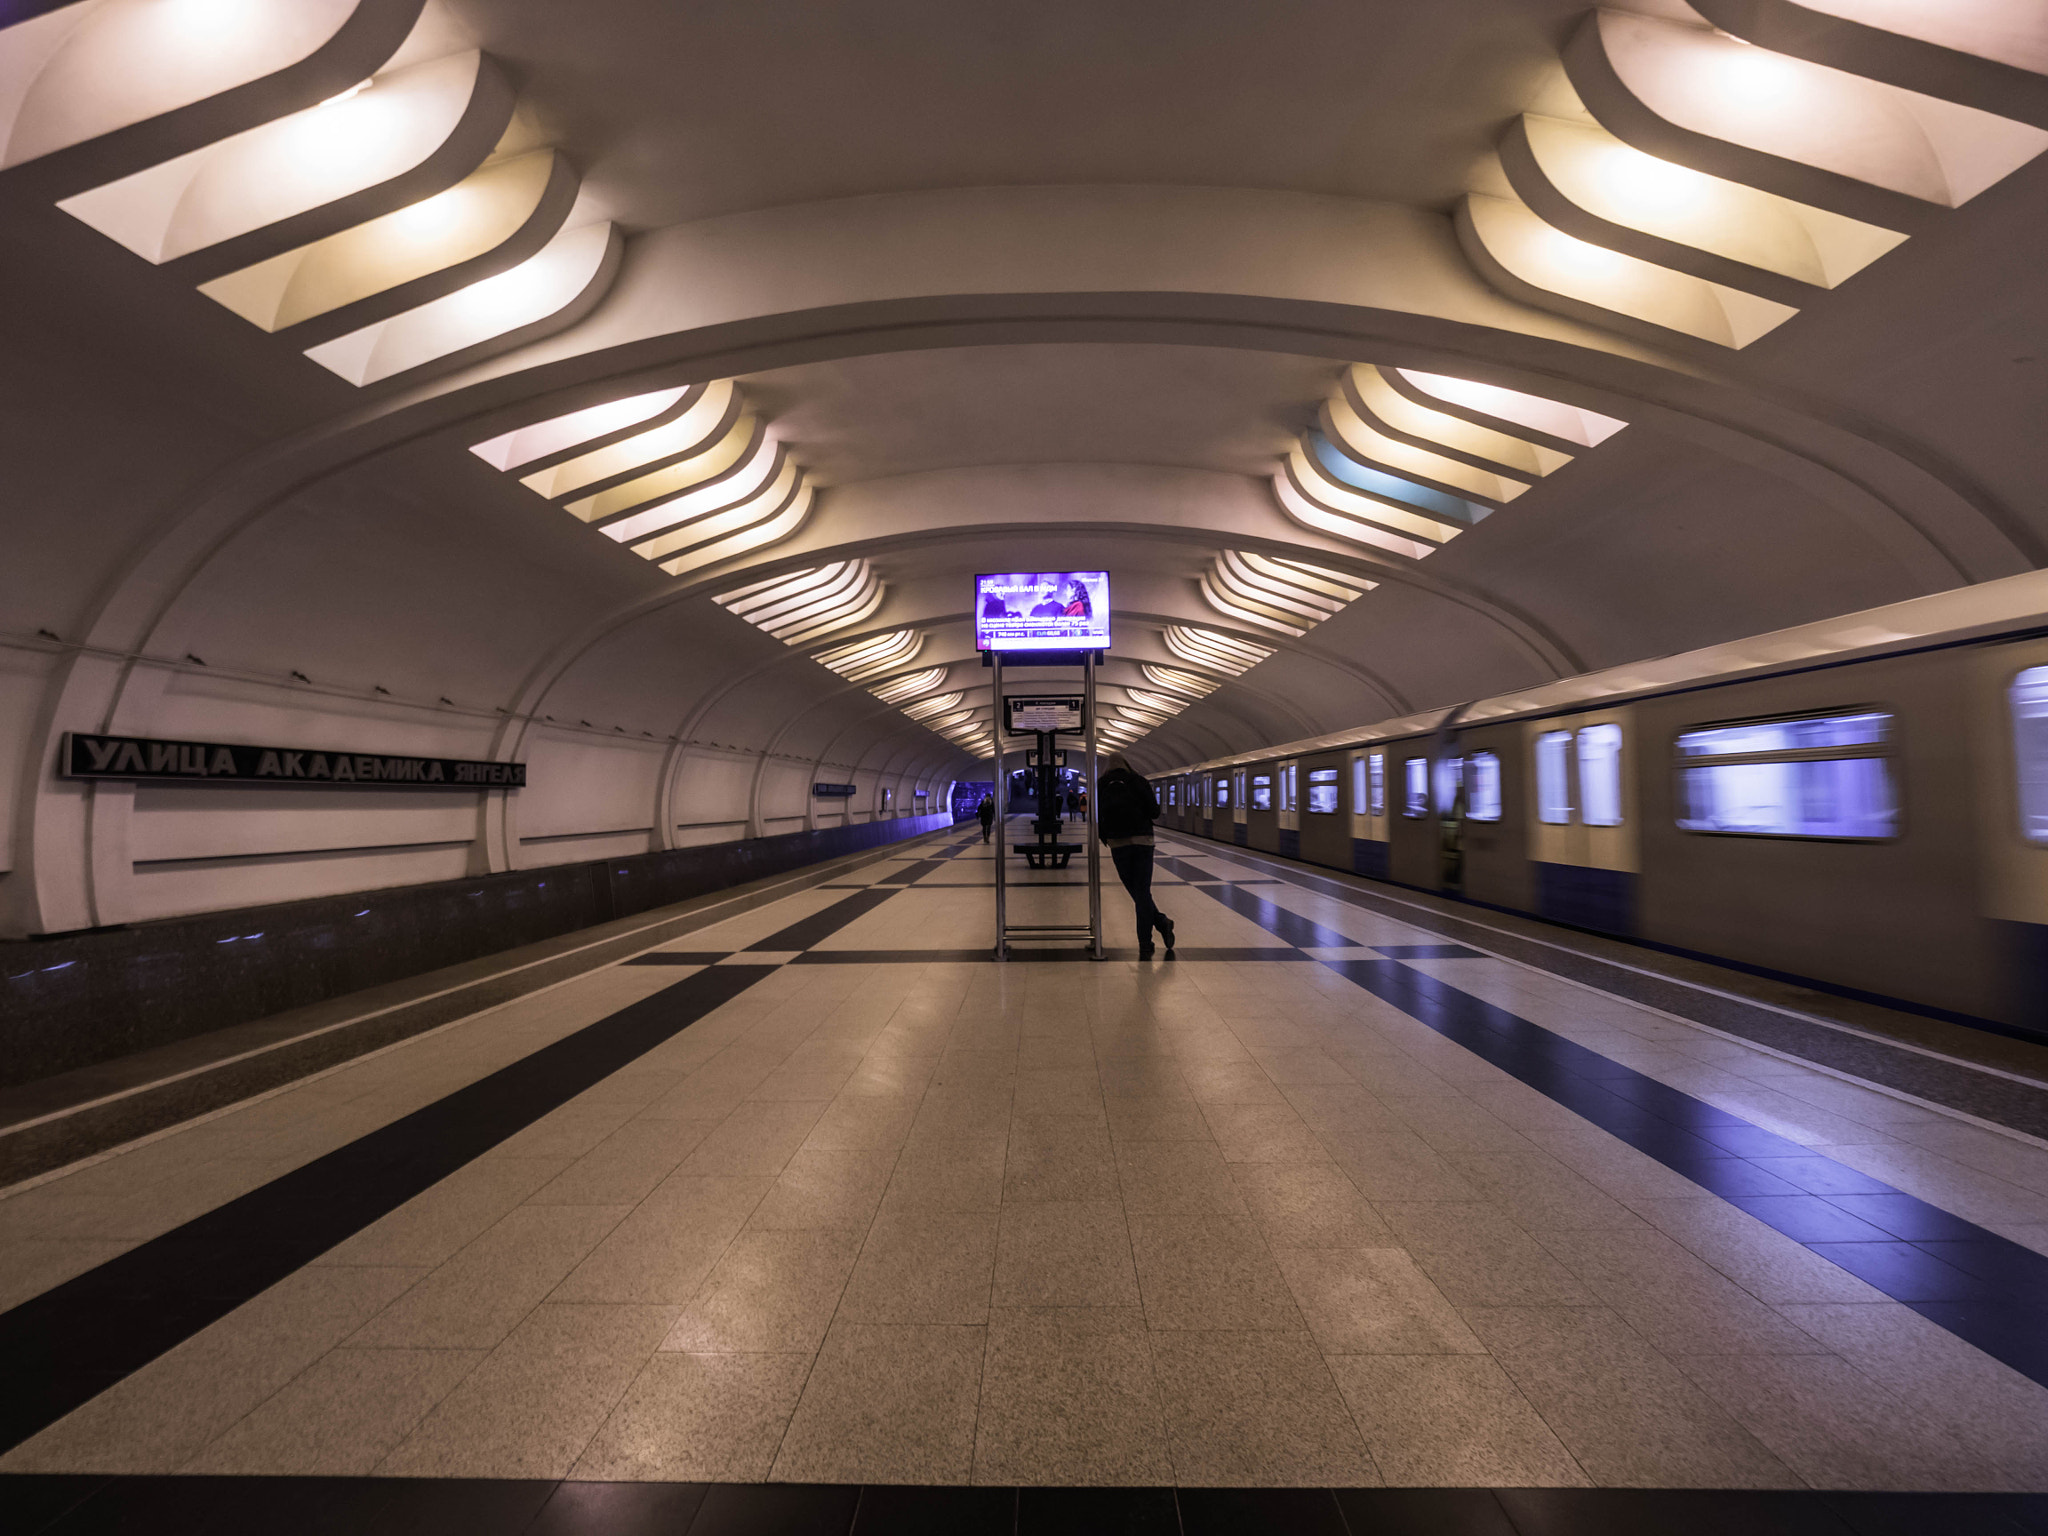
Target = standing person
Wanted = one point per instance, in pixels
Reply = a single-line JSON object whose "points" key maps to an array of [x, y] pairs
{"points": [[1128, 809], [987, 812]]}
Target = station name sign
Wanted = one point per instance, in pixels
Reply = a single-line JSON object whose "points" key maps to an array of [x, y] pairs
{"points": [[212, 762], [833, 791]]}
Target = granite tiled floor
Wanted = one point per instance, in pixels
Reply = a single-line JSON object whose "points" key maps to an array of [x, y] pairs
{"points": [[943, 1222]]}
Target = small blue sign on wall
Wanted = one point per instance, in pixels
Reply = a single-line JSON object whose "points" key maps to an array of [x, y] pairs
{"points": [[833, 791]]}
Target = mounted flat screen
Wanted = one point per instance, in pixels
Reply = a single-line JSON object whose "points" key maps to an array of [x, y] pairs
{"points": [[1042, 611]]}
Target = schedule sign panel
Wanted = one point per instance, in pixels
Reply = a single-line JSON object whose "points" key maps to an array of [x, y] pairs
{"points": [[1042, 611], [1061, 714]]}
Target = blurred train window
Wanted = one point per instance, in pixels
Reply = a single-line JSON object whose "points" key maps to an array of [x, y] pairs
{"points": [[1290, 798], [1358, 791], [1322, 791], [1450, 778], [2029, 697], [1222, 793], [1554, 777], [1262, 792], [1827, 776], [1378, 802], [1600, 775], [1482, 786], [1415, 799]]}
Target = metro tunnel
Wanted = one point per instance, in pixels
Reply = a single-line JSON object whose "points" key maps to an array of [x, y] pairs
{"points": [[1096, 767]]}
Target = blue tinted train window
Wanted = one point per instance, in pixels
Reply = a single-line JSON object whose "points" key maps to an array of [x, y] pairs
{"points": [[1450, 778], [1482, 786], [1415, 787], [1262, 792], [1322, 791], [1553, 777], [1821, 776], [2029, 699], [1600, 775]]}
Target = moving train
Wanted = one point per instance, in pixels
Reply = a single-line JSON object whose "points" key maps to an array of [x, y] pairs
{"points": [[1859, 804]]}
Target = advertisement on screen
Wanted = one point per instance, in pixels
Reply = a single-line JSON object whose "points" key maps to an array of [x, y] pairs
{"points": [[1042, 611]]}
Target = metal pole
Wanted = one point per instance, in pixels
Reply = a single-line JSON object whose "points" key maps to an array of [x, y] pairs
{"points": [[1094, 846], [1002, 807]]}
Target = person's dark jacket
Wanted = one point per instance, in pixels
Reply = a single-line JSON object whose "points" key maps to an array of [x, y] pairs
{"points": [[1125, 805], [986, 811]]}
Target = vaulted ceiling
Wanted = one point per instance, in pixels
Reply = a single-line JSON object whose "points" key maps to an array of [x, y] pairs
{"points": [[673, 367]]}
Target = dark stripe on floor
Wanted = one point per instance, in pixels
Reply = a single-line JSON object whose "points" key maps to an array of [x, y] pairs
{"points": [[820, 926], [1983, 1288], [1073, 950], [1194, 874], [1428, 952], [679, 957], [1957, 1085], [1278, 921], [334, 1506], [1017, 880], [66, 1346], [910, 874]]}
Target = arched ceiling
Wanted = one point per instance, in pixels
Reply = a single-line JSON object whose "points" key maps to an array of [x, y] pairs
{"points": [[673, 367]]}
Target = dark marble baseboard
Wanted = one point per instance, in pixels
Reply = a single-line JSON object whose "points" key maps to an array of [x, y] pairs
{"points": [[57, 1120], [73, 1506], [73, 1000]]}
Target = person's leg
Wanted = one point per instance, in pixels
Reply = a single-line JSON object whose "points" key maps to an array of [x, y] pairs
{"points": [[1149, 915], [1134, 869], [1126, 864]]}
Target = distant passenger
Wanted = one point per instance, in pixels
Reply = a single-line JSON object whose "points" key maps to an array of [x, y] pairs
{"points": [[1128, 810], [987, 812]]}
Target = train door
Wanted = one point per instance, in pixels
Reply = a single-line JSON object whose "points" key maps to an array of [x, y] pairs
{"points": [[1325, 820], [2010, 689], [1240, 812], [1583, 826], [1287, 806], [1262, 810], [1369, 835], [1414, 856]]}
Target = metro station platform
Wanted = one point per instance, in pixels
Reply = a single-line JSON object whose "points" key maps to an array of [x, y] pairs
{"points": [[1362, 1214]]}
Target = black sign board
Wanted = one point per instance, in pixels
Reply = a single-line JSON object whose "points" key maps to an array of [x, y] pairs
{"points": [[833, 791], [213, 762]]}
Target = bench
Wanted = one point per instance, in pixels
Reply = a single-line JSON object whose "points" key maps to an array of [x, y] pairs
{"points": [[1048, 855]]}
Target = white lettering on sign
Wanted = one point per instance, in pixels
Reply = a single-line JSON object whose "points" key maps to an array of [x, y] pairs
{"points": [[1045, 715], [88, 756]]}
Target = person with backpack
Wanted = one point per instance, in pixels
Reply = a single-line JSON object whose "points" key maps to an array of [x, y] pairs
{"points": [[987, 812], [1126, 809]]}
